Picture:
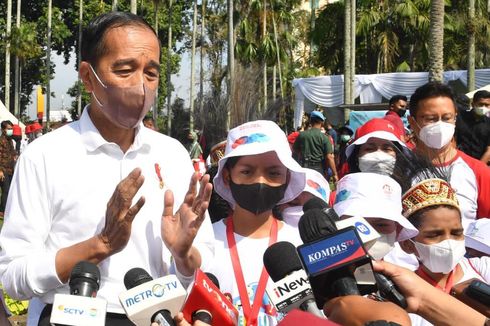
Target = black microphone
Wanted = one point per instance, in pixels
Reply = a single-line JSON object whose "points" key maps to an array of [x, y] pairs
{"points": [[80, 306], [291, 289], [84, 279], [317, 203], [213, 279]]}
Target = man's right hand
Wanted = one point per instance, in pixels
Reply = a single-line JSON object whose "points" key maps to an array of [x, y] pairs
{"points": [[120, 214]]}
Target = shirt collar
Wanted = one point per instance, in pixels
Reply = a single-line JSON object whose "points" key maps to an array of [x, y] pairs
{"points": [[93, 140]]}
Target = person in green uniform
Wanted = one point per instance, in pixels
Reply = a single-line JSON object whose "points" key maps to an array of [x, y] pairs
{"points": [[314, 147]]}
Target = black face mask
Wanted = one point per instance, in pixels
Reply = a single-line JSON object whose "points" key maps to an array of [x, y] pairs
{"points": [[257, 197], [401, 113]]}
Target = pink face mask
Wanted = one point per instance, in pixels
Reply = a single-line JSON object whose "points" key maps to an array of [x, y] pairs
{"points": [[125, 106]]}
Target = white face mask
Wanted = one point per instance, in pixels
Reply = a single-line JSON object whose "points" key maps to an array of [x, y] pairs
{"points": [[292, 214], [377, 162], [437, 135], [441, 257], [383, 245], [481, 110]]}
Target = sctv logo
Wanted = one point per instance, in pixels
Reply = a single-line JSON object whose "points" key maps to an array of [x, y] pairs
{"points": [[92, 312]]}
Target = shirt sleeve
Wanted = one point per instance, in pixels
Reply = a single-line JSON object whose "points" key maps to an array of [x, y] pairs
{"points": [[297, 142], [482, 267], [27, 267], [327, 145]]}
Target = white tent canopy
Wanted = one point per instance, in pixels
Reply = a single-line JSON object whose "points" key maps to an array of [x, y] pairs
{"points": [[328, 91], [6, 115], [484, 88]]}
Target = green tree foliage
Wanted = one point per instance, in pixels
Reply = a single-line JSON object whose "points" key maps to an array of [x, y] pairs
{"points": [[393, 35], [30, 40]]}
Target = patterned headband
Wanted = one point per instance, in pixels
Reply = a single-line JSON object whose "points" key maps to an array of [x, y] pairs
{"points": [[430, 192]]}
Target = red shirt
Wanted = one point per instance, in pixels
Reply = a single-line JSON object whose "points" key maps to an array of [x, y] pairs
{"points": [[395, 119]]}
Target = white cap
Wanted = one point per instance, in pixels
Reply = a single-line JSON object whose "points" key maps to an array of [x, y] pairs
{"points": [[317, 185], [258, 137], [373, 195], [477, 235]]}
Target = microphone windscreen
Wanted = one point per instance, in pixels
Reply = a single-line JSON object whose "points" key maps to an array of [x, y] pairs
{"points": [[315, 202], [87, 271], [213, 279], [281, 259], [136, 276], [314, 225]]}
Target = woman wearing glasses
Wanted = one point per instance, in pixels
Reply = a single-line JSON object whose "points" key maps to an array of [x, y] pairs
{"points": [[433, 119]]}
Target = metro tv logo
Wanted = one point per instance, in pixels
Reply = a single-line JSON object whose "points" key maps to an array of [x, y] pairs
{"points": [[157, 290], [330, 251]]}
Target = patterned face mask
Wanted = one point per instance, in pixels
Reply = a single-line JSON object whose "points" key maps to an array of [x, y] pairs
{"points": [[125, 106]]}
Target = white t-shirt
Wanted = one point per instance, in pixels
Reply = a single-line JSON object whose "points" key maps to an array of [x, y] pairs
{"points": [[251, 253], [58, 197], [399, 257], [470, 178], [479, 268]]}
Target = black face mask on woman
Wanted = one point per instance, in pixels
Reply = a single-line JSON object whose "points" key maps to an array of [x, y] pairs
{"points": [[257, 197]]}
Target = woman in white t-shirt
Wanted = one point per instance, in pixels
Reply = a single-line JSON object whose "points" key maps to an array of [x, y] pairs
{"points": [[432, 207], [256, 173]]}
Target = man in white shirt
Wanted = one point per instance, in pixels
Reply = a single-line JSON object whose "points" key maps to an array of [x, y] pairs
{"points": [[105, 189]]}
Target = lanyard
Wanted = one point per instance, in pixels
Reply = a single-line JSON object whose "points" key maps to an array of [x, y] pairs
{"points": [[449, 282], [250, 313]]}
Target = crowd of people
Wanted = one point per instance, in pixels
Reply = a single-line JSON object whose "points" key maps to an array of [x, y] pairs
{"points": [[111, 190]]}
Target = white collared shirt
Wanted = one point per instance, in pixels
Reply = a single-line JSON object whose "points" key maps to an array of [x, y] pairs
{"points": [[58, 197]]}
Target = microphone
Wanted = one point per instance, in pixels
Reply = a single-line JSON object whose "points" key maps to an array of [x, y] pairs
{"points": [[297, 317], [473, 293], [317, 203], [291, 288], [147, 300], [206, 303], [341, 255], [80, 307]]}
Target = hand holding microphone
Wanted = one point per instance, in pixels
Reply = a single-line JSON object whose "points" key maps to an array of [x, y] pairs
{"points": [[206, 303], [355, 310], [147, 300], [427, 301]]}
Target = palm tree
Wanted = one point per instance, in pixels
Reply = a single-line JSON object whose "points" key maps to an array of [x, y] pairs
{"points": [[134, 6], [471, 45], [156, 6], [436, 41], [201, 57], [193, 67], [347, 59], [169, 69], [24, 46], [7, 55], [80, 27], [231, 62], [17, 68], [114, 5], [48, 64]]}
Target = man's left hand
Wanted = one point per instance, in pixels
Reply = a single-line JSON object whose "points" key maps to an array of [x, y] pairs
{"points": [[180, 229]]}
